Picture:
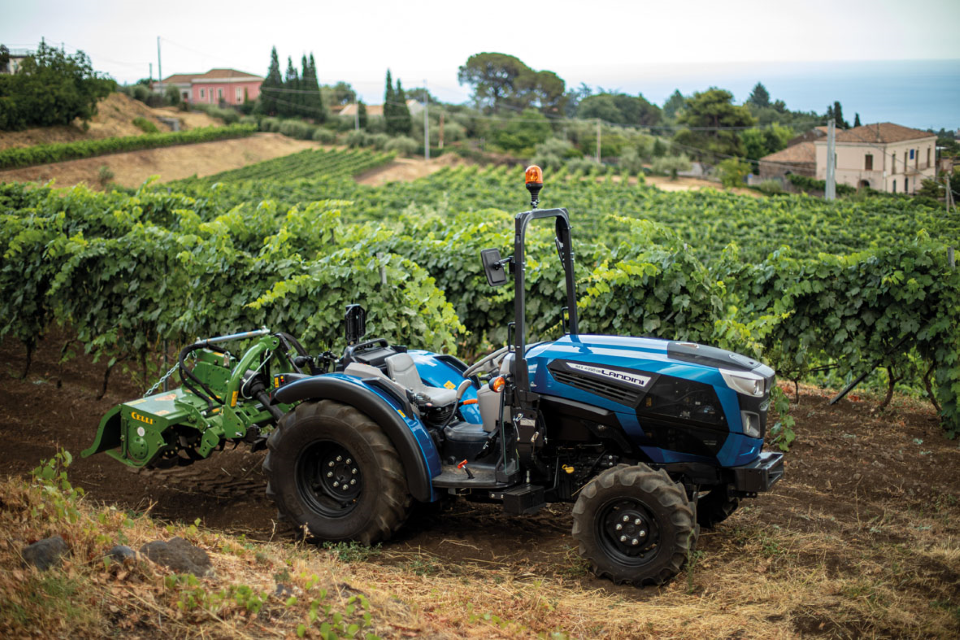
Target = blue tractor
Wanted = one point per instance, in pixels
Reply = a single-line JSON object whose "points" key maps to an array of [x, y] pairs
{"points": [[650, 439]]}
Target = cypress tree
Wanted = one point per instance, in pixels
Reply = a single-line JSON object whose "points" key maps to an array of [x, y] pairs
{"points": [[268, 94], [362, 114], [291, 82], [388, 111], [315, 102], [856, 120], [402, 116]]}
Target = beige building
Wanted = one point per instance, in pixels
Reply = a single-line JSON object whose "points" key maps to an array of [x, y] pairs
{"points": [[883, 156]]}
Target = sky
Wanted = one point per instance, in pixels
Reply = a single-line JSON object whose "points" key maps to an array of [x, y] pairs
{"points": [[630, 46]]}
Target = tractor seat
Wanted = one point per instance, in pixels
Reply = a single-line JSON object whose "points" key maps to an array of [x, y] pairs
{"points": [[403, 370]]}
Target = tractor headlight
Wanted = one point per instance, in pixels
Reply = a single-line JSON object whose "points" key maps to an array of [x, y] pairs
{"points": [[745, 382], [751, 423]]}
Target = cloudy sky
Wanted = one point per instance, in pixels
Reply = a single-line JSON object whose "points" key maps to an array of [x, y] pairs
{"points": [[610, 43]]}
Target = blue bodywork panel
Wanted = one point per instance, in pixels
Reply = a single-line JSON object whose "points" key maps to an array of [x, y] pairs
{"points": [[427, 447], [644, 355], [437, 373]]}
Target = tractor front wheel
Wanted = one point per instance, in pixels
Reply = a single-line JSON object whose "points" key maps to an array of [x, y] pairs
{"points": [[334, 474], [635, 525]]}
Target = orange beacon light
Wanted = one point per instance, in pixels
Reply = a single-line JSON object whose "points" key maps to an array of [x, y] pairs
{"points": [[534, 180]]}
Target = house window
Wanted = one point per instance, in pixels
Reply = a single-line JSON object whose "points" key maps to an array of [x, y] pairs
{"points": [[220, 95], [239, 95], [894, 186], [906, 185], [928, 156], [203, 94], [911, 153], [893, 162], [868, 162]]}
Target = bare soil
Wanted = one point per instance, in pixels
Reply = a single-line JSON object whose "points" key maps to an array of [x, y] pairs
{"points": [[407, 169], [115, 115], [861, 538], [131, 169]]}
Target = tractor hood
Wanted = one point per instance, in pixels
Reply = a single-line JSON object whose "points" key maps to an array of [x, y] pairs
{"points": [[637, 353]]}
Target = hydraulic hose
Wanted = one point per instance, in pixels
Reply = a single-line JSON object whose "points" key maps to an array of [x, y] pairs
{"points": [[186, 375]]}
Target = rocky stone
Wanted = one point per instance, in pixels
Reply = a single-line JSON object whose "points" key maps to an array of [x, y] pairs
{"points": [[179, 556], [45, 554], [122, 554]]}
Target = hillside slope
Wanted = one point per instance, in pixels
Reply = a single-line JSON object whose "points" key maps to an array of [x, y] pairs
{"points": [[170, 163], [115, 115]]}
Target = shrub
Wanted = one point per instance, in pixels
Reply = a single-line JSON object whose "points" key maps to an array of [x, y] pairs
{"points": [[402, 145], [379, 140], [771, 187], [358, 139], [671, 165], [630, 161], [733, 172], [324, 136], [104, 175], [297, 129], [145, 125], [172, 95], [453, 132], [270, 124], [582, 165]]}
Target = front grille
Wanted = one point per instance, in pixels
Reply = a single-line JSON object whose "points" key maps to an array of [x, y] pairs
{"points": [[597, 387]]}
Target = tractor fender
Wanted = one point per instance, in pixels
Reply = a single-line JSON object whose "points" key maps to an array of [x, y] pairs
{"points": [[415, 453]]}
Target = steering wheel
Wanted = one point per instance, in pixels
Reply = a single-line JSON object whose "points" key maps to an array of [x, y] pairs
{"points": [[494, 358]]}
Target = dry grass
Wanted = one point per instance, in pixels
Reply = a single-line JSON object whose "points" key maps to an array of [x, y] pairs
{"points": [[751, 580]]}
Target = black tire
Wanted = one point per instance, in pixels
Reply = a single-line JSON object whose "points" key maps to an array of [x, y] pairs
{"points": [[651, 508], [314, 453], [715, 507]]}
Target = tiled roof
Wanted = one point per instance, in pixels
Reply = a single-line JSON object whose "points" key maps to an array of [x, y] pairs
{"points": [[804, 152], [882, 132], [181, 78], [220, 74]]}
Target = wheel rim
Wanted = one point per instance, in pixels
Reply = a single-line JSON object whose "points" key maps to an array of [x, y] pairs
{"points": [[628, 531], [329, 478]]}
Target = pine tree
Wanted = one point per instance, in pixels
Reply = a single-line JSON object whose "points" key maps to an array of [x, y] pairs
{"points": [[403, 119], [760, 96], [856, 120], [268, 89], [838, 116], [388, 111], [362, 114]]}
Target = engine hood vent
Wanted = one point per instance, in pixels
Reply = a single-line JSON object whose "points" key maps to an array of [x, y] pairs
{"points": [[623, 386]]}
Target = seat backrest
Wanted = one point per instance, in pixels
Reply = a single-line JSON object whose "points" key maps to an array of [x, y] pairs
{"points": [[403, 370], [364, 371]]}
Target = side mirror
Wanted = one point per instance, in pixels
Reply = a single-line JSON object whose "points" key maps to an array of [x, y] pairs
{"points": [[493, 268]]}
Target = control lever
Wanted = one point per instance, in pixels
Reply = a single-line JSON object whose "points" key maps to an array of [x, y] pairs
{"points": [[461, 389]]}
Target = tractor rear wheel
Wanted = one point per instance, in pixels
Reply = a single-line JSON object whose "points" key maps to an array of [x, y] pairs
{"points": [[635, 525], [715, 507], [334, 474]]}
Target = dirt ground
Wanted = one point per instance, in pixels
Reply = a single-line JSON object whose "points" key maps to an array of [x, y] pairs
{"points": [[866, 518], [170, 163], [407, 169], [115, 115]]}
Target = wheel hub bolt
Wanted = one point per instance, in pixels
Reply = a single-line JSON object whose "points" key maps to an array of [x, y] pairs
{"points": [[619, 526], [329, 474], [336, 484], [623, 538], [637, 522], [348, 460], [339, 458], [331, 464], [642, 533], [353, 471], [635, 542], [626, 518], [353, 481]]}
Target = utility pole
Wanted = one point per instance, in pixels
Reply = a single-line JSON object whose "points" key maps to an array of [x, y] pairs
{"points": [[598, 140], [159, 68], [830, 192], [426, 122], [441, 130], [151, 72], [356, 116]]}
